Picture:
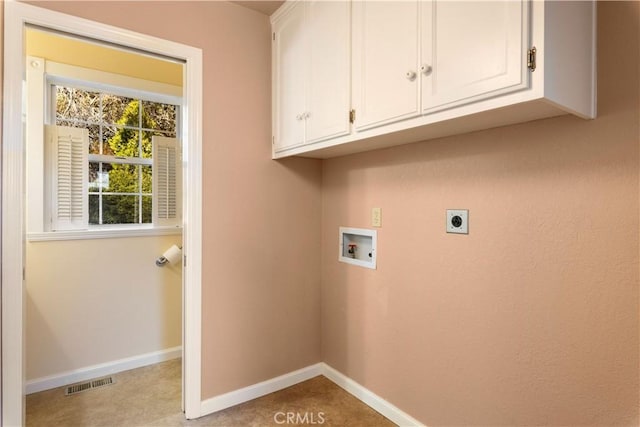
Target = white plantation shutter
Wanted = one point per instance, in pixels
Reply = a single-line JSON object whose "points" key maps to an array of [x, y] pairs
{"points": [[167, 182], [69, 179]]}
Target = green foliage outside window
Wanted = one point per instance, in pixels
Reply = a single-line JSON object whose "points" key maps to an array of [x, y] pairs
{"points": [[120, 127]]}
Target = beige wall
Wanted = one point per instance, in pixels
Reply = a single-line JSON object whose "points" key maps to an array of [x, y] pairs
{"points": [[538, 321], [97, 301], [261, 225], [532, 318], [93, 302]]}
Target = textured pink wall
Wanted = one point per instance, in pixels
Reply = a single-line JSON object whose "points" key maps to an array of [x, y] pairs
{"points": [[531, 319], [261, 274], [538, 322]]}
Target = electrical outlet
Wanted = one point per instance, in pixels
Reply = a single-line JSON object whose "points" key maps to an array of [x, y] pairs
{"points": [[458, 221], [376, 217]]}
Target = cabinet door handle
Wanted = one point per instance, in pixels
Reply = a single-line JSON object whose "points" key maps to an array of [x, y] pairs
{"points": [[306, 115], [426, 69], [411, 75], [300, 117]]}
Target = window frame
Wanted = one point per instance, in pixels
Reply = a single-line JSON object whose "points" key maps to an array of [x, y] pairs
{"points": [[52, 74], [51, 88]]}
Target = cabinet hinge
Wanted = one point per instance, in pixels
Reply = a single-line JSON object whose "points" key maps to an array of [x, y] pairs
{"points": [[352, 116], [531, 58], [273, 140], [274, 36]]}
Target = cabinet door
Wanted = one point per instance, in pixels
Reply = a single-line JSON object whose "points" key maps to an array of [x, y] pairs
{"points": [[472, 50], [289, 78], [328, 88], [385, 60]]}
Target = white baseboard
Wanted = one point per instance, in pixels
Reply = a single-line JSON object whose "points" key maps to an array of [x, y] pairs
{"points": [[251, 392], [369, 398], [77, 375]]}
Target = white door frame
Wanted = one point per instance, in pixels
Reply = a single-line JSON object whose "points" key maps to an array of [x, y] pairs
{"points": [[16, 16]]}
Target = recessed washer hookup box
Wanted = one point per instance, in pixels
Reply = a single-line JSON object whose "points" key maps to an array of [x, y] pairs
{"points": [[358, 246]]}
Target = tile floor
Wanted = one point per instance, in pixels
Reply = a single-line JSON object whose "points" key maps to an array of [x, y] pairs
{"points": [[150, 396]]}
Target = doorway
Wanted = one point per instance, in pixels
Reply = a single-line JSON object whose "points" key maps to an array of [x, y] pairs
{"points": [[17, 17]]}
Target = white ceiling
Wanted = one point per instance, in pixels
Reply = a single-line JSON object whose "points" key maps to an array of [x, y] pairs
{"points": [[266, 7]]}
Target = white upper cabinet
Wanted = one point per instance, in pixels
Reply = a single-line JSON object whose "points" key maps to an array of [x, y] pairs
{"points": [[289, 74], [385, 62], [412, 70], [311, 51], [328, 94], [458, 52], [472, 50]]}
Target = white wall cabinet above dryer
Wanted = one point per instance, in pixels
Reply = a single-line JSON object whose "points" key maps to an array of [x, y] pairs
{"points": [[385, 62], [289, 65], [423, 69], [472, 50], [413, 56], [311, 72]]}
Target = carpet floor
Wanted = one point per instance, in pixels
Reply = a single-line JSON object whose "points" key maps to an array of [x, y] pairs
{"points": [[150, 397]]}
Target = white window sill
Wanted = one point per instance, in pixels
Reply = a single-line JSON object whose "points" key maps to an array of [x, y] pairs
{"points": [[103, 233]]}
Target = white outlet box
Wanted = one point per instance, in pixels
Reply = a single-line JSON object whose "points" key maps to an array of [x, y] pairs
{"points": [[458, 221], [358, 246]]}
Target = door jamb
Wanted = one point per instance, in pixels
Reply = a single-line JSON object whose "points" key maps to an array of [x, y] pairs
{"points": [[16, 16]]}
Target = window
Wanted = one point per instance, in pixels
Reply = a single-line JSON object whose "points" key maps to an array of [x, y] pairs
{"points": [[120, 154], [107, 162]]}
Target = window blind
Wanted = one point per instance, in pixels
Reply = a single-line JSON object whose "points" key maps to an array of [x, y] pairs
{"points": [[70, 167], [167, 182]]}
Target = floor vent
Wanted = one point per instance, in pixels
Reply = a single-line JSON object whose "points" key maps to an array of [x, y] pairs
{"points": [[101, 382], [79, 388]]}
